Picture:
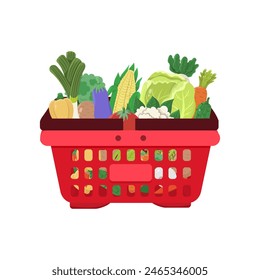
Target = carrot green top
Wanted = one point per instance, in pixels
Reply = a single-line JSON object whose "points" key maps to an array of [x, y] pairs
{"points": [[206, 77]]}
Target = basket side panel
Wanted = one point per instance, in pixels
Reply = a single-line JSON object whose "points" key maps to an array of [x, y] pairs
{"points": [[93, 186]]}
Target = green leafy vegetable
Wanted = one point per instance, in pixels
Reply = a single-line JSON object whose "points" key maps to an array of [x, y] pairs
{"points": [[72, 68], [75, 82], [137, 104], [137, 85], [153, 102], [112, 92], [117, 79], [88, 83], [182, 66], [70, 56], [176, 114], [168, 104], [64, 63], [162, 86], [136, 74], [203, 111], [132, 67], [132, 100], [69, 75], [60, 76], [184, 101]]}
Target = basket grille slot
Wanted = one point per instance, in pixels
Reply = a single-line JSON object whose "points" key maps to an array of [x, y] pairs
{"points": [[130, 155], [172, 190], [102, 190], [102, 155], [74, 173], [116, 155], [172, 173], [172, 155], [88, 155], [186, 190], [144, 155], [88, 173], [131, 190], [88, 190], [75, 155], [158, 173], [144, 190], [186, 172], [186, 155], [158, 155], [158, 190], [102, 173], [116, 190], [74, 190]]}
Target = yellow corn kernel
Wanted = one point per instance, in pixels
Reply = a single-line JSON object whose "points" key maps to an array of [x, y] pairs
{"points": [[125, 90]]}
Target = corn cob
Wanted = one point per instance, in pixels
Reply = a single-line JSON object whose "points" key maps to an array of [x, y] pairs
{"points": [[124, 87], [124, 91]]}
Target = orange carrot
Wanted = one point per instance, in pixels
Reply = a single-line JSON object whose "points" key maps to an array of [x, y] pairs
{"points": [[200, 95], [206, 77]]}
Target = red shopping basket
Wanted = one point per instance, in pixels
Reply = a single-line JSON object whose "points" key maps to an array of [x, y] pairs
{"points": [[161, 161]]}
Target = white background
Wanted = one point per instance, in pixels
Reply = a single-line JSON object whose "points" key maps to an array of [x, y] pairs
{"points": [[39, 231]]}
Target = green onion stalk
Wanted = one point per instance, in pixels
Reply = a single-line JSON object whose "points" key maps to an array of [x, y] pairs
{"points": [[69, 76]]}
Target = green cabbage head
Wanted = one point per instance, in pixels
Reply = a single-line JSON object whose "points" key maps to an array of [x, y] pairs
{"points": [[167, 86]]}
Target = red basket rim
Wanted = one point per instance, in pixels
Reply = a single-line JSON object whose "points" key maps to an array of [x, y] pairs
{"points": [[127, 138]]}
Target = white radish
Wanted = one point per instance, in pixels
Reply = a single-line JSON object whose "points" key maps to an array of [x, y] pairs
{"points": [[75, 110]]}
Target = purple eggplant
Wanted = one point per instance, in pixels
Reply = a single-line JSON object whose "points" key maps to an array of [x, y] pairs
{"points": [[102, 109]]}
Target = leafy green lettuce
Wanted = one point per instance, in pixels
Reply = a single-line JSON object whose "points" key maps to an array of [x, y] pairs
{"points": [[167, 86], [184, 102]]}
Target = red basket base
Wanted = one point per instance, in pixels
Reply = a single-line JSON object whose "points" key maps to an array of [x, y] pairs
{"points": [[100, 205], [77, 205], [175, 205]]}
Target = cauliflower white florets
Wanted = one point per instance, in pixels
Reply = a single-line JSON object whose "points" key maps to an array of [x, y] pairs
{"points": [[153, 113]]}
